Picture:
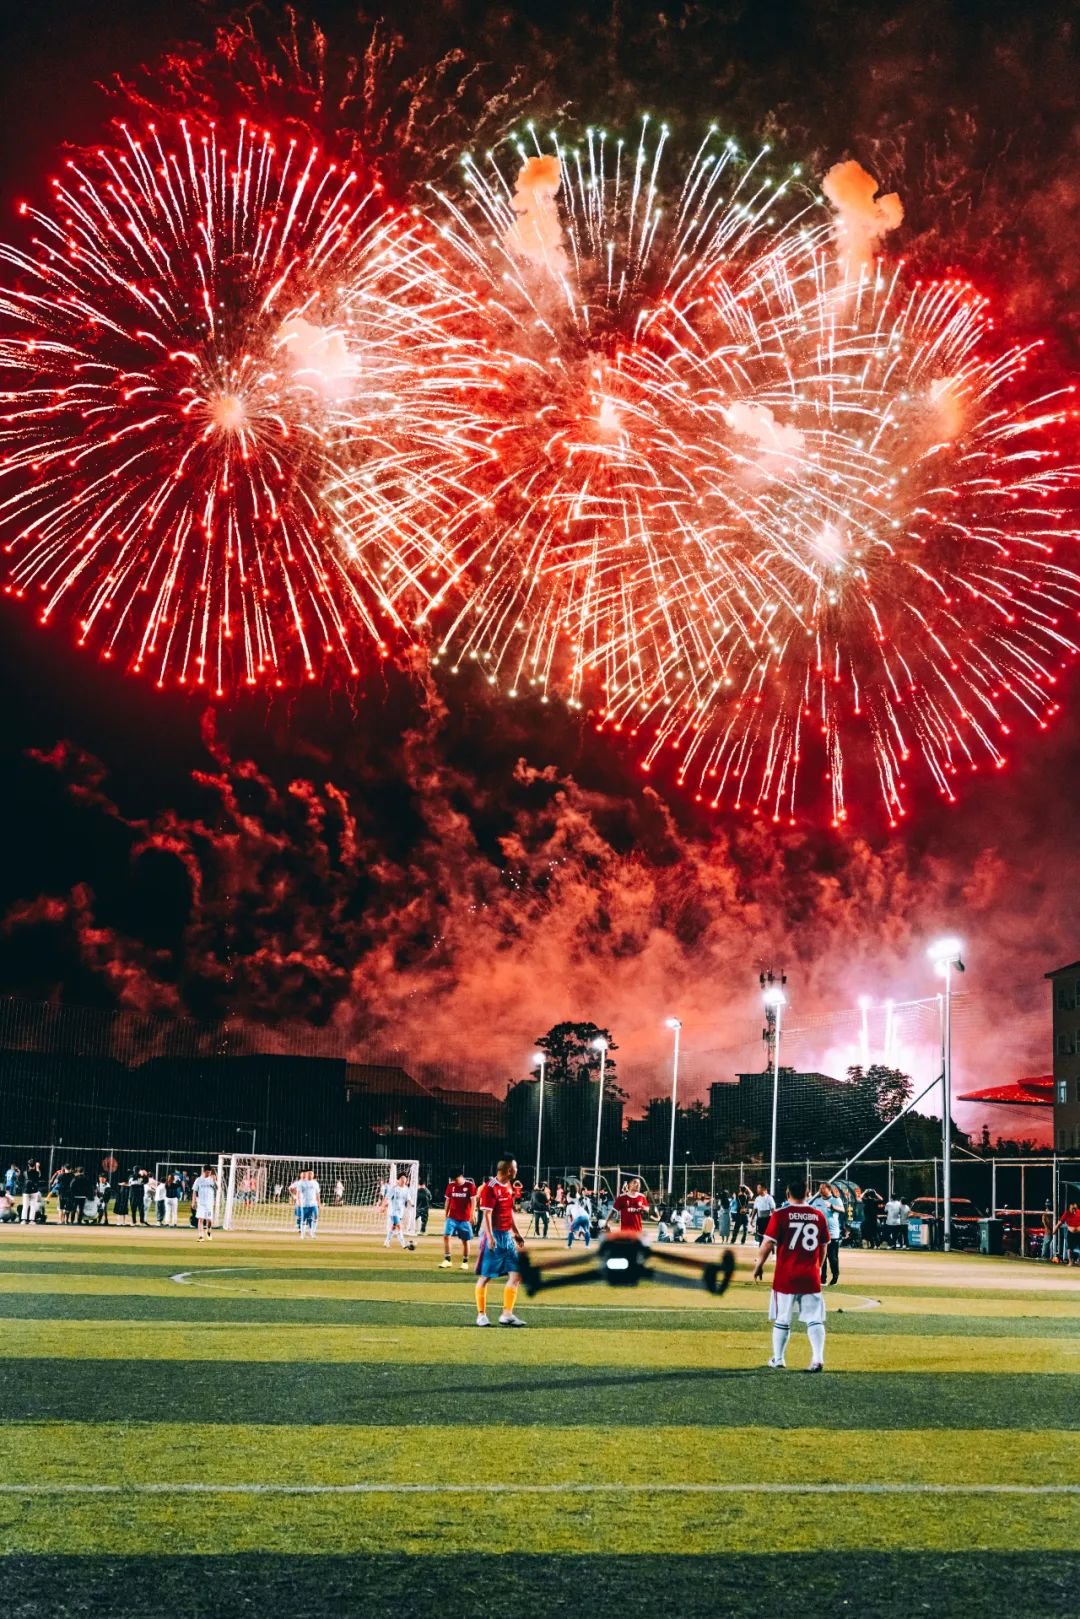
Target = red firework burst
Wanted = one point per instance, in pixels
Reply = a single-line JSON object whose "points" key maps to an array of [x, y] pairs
{"points": [[176, 370]]}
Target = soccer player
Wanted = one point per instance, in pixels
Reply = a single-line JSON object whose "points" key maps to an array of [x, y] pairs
{"points": [[459, 1216], [396, 1204], [799, 1234], [203, 1191], [631, 1206], [308, 1196], [499, 1244]]}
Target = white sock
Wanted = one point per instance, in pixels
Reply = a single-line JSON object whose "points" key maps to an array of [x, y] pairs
{"points": [[779, 1342], [816, 1336]]}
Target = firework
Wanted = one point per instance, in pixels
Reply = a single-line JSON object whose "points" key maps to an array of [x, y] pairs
{"points": [[179, 369], [755, 500]]}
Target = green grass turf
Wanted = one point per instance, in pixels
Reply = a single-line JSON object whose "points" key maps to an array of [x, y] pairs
{"points": [[341, 1364]]}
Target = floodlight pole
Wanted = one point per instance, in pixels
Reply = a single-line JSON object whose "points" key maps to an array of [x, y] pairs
{"points": [[775, 1098], [772, 994], [946, 1111], [676, 1028], [599, 1123], [540, 1117]]}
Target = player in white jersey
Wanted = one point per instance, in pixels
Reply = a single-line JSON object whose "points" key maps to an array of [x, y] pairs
{"points": [[308, 1198], [397, 1202], [203, 1196]]}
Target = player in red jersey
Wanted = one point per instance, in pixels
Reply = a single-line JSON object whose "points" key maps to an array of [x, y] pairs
{"points": [[459, 1213], [499, 1242], [631, 1205], [800, 1235]]}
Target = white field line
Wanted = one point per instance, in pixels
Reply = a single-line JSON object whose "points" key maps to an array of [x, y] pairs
{"points": [[191, 1278], [769, 1488]]}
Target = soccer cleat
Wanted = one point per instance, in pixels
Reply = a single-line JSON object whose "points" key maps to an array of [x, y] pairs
{"points": [[444, 1264], [777, 1365], [816, 1366], [465, 1264], [482, 1321], [512, 1321]]}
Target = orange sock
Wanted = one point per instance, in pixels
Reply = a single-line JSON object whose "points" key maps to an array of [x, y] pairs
{"points": [[510, 1294], [481, 1298]]}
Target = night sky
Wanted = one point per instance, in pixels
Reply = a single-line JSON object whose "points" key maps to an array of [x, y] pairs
{"points": [[404, 863]]}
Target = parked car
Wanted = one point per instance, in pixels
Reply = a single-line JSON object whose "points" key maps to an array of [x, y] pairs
{"points": [[965, 1217], [1032, 1228]]}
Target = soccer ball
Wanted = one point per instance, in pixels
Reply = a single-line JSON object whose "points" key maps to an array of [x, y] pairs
{"points": [[411, 1247]]}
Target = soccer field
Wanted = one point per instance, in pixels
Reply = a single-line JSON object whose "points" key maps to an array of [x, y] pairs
{"points": [[266, 1426]]}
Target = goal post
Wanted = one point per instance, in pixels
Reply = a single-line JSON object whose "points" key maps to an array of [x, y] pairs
{"points": [[259, 1195]]}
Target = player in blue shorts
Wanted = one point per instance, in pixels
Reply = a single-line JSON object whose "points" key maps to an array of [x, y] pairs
{"points": [[459, 1213], [308, 1195], [398, 1201], [499, 1244]]}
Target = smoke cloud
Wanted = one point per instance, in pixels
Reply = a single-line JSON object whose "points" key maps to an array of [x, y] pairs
{"points": [[537, 235], [485, 904], [862, 217]]}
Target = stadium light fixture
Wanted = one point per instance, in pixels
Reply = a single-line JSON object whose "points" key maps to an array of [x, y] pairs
{"points": [[675, 1025], [774, 996]]}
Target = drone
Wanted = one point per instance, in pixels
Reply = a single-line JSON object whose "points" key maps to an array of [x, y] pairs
{"points": [[623, 1261]]}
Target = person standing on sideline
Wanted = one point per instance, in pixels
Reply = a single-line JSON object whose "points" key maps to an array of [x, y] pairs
{"points": [[160, 1198], [78, 1194], [831, 1204], [798, 1234], [894, 1222], [871, 1231], [499, 1244], [540, 1209], [137, 1198], [740, 1215], [172, 1198], [458, 1203], [33, 1183], [1047, 1233], [13, 1182], [723, 1218], [308, 1201], [423, 1206], [203, 1194], [764, 1207]]}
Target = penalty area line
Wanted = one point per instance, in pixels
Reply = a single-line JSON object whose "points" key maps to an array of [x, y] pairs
{"points": [[204, 1487]]}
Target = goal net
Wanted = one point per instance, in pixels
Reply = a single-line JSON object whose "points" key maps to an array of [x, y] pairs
{"points": [[260, 1191]]}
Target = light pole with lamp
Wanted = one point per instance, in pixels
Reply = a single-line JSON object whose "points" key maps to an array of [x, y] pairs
{"points": [[247, 1130], [601, 1046], [675, 1025], [945, 955], [541, 1058], [772, 993]]}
